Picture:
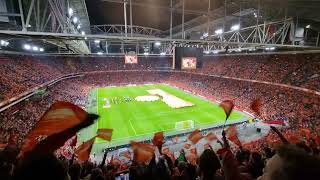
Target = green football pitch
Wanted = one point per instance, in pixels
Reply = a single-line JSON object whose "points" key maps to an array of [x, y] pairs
{"points": [[136, 120]]}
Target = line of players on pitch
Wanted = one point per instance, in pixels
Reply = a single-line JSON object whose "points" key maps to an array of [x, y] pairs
{"points": [[119, 100]]}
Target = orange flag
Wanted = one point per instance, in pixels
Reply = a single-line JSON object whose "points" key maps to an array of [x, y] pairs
{"points": [[227, 106], [256, 106], [59, 117], [105, 134], [158, 139], [195, 136], [211, 136], [231, 134], [83, 151], [142, 152]]}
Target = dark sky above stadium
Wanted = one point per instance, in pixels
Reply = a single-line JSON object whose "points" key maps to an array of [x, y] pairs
{"points": [[112, 13], [102, 12]]}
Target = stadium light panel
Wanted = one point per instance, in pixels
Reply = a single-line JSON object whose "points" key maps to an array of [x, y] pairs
{"points": [[83, 33], [27, 46], [206, 52], [41, 49], [70, 12], [163, 53], [75, 20], [4, 43], [270, 48], [218, 31], [146, 53], [35, 48], [235, 27], [97, 41], [157, 43], [308, 26], [99, 53]]}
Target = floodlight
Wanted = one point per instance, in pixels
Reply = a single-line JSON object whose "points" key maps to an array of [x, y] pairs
{"points": [[235, 27], [70, 12], [27, 46], [157, 43], [4, 43], [41, 49], [35, 48], [219, 31], [75, 20]]}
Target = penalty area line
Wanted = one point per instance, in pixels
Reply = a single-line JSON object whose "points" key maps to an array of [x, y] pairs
{"points": [[135, 133]]}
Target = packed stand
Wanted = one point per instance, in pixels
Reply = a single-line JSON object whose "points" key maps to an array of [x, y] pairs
{"points": [[19, 73], [300, 70]]}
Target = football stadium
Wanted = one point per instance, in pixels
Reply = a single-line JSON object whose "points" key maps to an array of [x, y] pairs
{"points": [[159, 89]]}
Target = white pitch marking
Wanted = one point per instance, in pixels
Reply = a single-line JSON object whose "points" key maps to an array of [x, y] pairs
{"points": [[135, 133]]}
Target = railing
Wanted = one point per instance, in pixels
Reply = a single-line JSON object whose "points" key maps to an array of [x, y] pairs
{"points": [[120, 30]]}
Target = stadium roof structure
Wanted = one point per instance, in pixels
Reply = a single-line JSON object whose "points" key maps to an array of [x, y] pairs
{"points": [[122, 26]]}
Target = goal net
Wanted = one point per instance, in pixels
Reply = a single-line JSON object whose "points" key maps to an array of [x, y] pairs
{"points": [[184, 125]]}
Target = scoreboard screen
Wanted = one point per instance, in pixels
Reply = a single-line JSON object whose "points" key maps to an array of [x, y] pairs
{"points": [[131, 59], [187, 58], [189, 63]]}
